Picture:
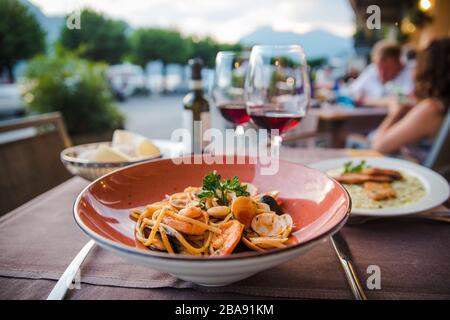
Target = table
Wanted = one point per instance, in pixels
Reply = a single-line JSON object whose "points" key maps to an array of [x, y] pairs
{"points": [[337, 122], [39, 239], [336, 113]]}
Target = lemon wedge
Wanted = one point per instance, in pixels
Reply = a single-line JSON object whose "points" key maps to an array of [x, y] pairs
{"points": [[134, 145], [105, 153]]}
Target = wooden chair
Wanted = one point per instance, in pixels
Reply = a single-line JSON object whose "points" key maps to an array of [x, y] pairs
{"points": [[439, 157], [29, 158]]}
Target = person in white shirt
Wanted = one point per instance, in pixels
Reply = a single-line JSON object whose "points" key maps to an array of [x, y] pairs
{"points": [[385, 77]]}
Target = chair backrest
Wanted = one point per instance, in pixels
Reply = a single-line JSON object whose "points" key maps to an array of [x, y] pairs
{"points": [[439, 157], [29, 158]]}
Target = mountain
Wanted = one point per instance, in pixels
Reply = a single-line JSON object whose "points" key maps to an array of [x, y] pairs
{"points": [[51, 24], [317, 43]]}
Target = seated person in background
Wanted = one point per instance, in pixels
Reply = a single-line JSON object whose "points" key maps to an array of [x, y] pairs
{"points": [[387, 76], [419, 124]]}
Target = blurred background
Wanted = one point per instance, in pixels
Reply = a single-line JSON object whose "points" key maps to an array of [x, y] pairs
{"points": [[73, 71], [126, 65]]}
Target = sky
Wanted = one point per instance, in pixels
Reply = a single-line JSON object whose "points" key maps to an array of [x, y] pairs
{"points": [[225, 20]]}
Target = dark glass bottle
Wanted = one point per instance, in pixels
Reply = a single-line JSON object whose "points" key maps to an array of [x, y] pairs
{"points": [[196, 116]]}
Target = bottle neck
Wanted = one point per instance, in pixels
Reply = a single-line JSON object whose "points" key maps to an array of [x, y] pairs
{"points": [[195, 85]]}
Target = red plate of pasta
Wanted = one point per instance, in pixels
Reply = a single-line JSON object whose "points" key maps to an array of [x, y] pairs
{"points": [[198, 221]]}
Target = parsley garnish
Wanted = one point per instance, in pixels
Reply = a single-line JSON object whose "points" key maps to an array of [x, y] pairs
{"points": [[213, 186], [350, 168]]}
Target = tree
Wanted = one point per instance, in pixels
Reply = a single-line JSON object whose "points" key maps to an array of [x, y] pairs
{"points": [[21, 36], [75, 87], [208, 48], [168, 46], [98, 39], [149, 44]]}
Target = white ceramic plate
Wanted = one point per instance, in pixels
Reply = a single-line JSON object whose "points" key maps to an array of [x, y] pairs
{"points": [[437, 188]]}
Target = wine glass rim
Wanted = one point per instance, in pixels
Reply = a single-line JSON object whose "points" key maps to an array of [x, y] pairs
{"points": [[234, 53], [278, 47]]}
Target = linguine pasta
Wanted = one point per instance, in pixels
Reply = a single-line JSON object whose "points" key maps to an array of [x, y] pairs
{"points": [[212, 220]]}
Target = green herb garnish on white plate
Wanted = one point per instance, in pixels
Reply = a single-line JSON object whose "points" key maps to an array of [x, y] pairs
{"points": [[349, 167]]}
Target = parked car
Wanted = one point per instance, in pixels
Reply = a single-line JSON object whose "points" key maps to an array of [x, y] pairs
{"points": [[126, 79], [11, 104]]}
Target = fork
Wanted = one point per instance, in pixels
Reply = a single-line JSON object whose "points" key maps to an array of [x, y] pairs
{"points": [[61, 287]]}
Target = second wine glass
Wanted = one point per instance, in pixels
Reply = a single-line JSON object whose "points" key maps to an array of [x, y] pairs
{"points": [[228, 87], [277, 88]]}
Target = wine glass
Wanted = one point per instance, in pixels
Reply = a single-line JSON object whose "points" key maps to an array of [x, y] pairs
{"points": [[277, 89], [228, 87]]}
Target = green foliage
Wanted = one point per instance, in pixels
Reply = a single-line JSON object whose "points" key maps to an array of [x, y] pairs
{"points": [[233, 184], [213, 187], [170, 47], [230, 47], [21, 36], [317, 62], [158, 44], [75, 87], [99, 39], [349, 167], [238, 81], [207, 49]]}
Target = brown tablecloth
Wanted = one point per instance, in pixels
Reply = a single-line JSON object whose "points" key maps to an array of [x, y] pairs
{"points": [[39, 239]]}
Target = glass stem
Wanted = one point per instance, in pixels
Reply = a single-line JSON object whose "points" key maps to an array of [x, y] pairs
{"points": [[240, 139], [239, 131], [276, 146]]}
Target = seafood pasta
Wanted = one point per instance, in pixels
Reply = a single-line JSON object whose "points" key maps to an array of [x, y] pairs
{"points": [[212, 220]]}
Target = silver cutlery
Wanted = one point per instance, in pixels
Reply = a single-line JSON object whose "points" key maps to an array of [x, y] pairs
{"points": [[345, 258], [63, 284]]}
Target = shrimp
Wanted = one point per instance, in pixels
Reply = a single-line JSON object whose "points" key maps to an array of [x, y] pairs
{"points": [[187, 227], [225, 241]]}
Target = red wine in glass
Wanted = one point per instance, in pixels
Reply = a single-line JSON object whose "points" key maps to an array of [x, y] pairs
{"points": [[235, 113], [276, 119]]}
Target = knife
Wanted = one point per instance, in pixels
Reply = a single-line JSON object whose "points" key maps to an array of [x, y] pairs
{"points": [[61, 287], [345, 257]]}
